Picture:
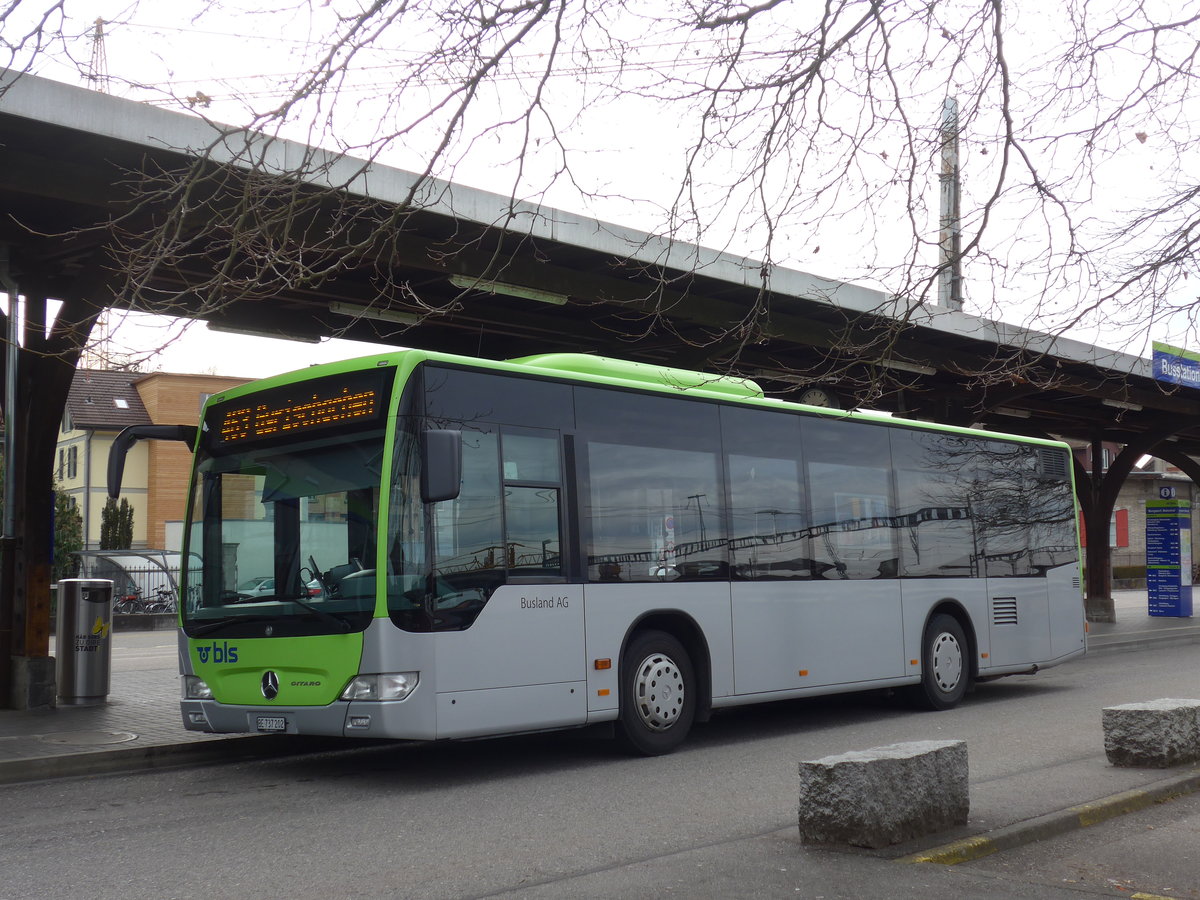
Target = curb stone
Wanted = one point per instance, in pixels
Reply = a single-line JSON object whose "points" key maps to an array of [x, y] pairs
{"points": [[1060, 822], [163, 756]]}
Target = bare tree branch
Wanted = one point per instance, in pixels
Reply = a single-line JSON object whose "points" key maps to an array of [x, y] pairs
{"points": [[800, 135]]}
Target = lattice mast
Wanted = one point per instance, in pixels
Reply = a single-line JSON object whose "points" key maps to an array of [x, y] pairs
{"points": [[98, 70]]}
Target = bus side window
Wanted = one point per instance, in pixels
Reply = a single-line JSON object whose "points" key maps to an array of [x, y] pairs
{"points": [[655, 514], [531, 471], [654, 500], [1025, 521], [468, 545], [768, 512], [532, 531], [934, 477], [850, 492], [770, 538]]}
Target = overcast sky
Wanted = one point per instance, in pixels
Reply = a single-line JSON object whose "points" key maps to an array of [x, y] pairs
{"points": [[244, 57], [191, 348]]}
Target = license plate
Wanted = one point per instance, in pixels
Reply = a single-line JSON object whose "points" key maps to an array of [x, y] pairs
{"points": [[272, 723]]}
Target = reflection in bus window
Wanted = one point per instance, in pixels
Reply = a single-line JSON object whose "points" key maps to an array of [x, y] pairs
{"points": [[770, 537], [934, 478], [531, 457], [972, 507], [654, 501], [1024, 520], [531, 520], [849, 479], [466, 531], [654, 514]]}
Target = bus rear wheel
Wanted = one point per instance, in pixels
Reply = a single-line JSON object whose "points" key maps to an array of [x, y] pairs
{"points": [[658, 694], [945, 667]]}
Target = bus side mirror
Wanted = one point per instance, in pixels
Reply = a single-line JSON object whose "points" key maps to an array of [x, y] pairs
{"points": [[133, 434], [441, 469]]}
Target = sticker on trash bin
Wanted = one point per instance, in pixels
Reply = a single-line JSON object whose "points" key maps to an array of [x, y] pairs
{"points": [[90, 643]]}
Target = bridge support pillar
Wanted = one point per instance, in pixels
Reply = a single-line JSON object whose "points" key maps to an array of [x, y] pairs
{"points": [[33, 682]]}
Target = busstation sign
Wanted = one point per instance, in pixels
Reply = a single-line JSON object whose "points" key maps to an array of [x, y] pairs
{"points": [[1176, 366]]}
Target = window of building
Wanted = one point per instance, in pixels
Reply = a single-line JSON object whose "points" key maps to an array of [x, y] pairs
{"points": [[1118, 528]]}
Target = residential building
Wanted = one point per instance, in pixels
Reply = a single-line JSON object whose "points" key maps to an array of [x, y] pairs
{"points": [[100, 405]]}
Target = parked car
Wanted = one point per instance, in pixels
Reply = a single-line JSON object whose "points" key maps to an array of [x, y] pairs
{"points": [[264, 586]]}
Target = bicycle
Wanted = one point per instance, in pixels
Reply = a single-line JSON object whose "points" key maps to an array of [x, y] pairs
{"points": [[130, 603], [164, 601]]}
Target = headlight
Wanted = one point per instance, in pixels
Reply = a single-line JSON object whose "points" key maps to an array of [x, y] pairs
{"points": [[386, 686], [195, 689]]}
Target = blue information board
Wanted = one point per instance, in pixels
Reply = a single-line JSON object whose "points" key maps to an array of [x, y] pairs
{"points": [[1169, 557]]}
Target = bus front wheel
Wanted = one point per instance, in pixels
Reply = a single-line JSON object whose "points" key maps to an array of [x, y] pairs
{"points": [[945, 668], [658, 694]]}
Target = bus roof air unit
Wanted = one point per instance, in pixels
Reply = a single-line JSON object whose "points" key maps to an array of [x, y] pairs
{"points": [[641, 373]]}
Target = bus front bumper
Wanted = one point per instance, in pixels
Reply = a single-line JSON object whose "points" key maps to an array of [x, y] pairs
{"points": [[218, 718], [388, 720]]}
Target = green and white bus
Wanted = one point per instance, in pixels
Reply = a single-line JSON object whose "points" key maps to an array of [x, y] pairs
{"points": [[456, 547]]}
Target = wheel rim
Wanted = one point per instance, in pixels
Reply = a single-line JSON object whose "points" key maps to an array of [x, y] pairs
{"points": [[658, 692], [947, 661]]}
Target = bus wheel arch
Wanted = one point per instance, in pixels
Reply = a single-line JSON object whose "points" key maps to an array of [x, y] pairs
{"points": [[668, 647], [949, 658]]}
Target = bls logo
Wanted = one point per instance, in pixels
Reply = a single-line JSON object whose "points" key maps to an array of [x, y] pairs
{"points": [[218, 653]]}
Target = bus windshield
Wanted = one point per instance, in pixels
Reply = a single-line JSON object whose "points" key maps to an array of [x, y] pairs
{"points": [[283, 539]]}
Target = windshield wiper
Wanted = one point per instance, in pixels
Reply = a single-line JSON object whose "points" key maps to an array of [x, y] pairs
{"points": [[342, 624], [327, 617], [216, 624]]}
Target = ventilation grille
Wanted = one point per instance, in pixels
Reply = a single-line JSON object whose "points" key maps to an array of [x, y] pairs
{"points": [[1004, 610], [1075, 583], [1055, 463]]}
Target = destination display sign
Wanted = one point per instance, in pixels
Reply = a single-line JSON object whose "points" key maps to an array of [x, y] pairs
{"points": [[352, 402]]}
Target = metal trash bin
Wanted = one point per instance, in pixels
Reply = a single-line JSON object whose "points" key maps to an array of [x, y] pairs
{"points": [[83, 645]]}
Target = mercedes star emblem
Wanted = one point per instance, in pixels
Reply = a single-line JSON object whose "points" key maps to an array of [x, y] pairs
{"points": [[270, 685]]}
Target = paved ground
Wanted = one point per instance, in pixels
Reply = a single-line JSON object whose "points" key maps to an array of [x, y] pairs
{"points": [[139, 728]]}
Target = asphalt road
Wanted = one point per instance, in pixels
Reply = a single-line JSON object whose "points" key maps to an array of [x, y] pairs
{"points": [[566, 815]]}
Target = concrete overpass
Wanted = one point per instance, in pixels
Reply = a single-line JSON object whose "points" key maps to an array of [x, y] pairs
{"points": [[434, 264]]}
